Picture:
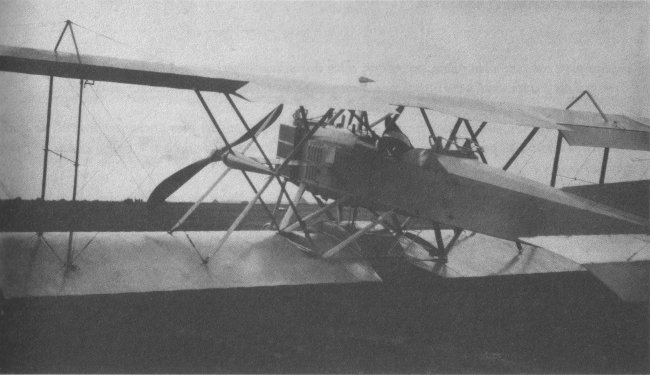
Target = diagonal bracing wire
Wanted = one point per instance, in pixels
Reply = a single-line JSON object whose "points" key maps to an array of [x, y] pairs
{"points": [[121, 42], [47, 244], [85, 247], [94, 120], [124, 136]]}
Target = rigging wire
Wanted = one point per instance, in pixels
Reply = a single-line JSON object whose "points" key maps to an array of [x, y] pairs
{"points": [[194, 246], [575, 176], [576, 179], [122, 43], [47, 244], [124, 136], [85, 247], [114, 149], [94, 120], [534, 152]]}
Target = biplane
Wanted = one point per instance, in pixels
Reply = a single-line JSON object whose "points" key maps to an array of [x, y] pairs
{"points": [[481, 219]]}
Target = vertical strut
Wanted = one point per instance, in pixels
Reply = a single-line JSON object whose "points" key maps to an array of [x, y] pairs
{"points": [[603, 167], [556, 161], [76, 156], [439, 241], [46, 149], [76, 170]]}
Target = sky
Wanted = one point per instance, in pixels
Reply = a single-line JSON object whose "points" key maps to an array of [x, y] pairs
{"points": [[536, 53]]}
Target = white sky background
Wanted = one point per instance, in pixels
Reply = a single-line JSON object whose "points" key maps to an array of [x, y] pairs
{"points": [[133, 137]]}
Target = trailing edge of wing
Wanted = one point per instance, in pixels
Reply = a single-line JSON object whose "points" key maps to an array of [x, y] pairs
{"points": [[621, 262], [122, 263], [629, 280], [98, 68], [596, 136]]}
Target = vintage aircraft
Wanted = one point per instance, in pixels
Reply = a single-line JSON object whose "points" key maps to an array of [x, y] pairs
{"points": [[357, 164]]}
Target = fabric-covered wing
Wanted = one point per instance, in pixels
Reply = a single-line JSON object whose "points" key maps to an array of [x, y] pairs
{"points": [[578, 127], [478, 255], [622, 262], [98, 68], [343, 96], [155, 261]]}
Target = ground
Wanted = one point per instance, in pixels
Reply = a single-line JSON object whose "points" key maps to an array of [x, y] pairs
{"points": [[412, 323]]}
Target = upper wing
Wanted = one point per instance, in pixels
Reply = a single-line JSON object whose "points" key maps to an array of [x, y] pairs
{"points": [[98, 68], [580, 128]]}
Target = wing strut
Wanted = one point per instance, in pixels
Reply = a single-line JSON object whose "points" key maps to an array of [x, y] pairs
{"points": [[268, 162], [520, 148], [229, 147], [239, 218], [298, 147], [560, 138], [202, 198], [69, 266]]}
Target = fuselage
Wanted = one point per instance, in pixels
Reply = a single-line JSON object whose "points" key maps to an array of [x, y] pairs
{"points": [[443, 187]]}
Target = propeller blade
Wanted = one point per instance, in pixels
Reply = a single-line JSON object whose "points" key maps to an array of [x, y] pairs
{"points": [[172, 183], [236, 160], [264, 123]]}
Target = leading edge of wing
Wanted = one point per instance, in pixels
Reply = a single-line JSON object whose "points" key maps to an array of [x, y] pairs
{"points": [[264, 88], [282, 90], [110, 69], [125, 262], [621, 262], [578, 127]]}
